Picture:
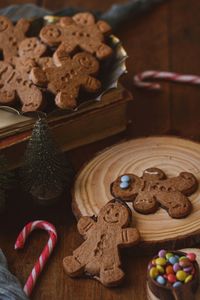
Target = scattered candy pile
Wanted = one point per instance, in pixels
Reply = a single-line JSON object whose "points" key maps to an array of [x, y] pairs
{"points": [[172, 270], [124, 181]]}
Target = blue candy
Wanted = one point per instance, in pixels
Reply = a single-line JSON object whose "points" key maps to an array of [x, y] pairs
{"points": [[161, 280], [173, 260], [177, 284], [124, 185], [125, 178]]}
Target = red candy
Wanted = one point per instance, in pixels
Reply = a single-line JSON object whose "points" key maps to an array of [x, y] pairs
{"points": [[191, 256], [171, 278]]}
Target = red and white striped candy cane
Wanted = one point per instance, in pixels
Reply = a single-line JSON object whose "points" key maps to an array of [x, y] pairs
{"points": [[39, 265], [139, 79]]}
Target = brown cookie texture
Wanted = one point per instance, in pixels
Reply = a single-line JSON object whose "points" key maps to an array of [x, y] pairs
{"points": [[11, 35], [15, 85], [67, 77], [80, 31], [154, 189], [98, 256]]}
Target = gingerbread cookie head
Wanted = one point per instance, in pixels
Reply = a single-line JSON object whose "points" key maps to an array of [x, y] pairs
{"points": [[65, 80], [173, 275], [98, 256], [32, 48], [115, 213], [154, 189], [11, 35], [80, 31]]}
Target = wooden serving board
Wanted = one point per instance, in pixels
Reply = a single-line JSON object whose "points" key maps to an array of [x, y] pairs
{"points": [[172, 155], [150, 295]]}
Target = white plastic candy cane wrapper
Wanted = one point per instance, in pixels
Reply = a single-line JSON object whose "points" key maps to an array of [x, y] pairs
{"points": [[39, 265]]}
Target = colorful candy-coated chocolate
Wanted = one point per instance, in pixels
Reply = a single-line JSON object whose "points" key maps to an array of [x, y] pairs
{"points": [[181, 275], [188, 269], [153, 272], [169, 270], [176, 267], [191, 256], [162, 253], [177, 284], [173, 260], [124, 185], [161, 261], [168, 255], [185, 263], [160, 269], [125, 178], [188, 278], [182, 257], [161, 280], [171, 278]]}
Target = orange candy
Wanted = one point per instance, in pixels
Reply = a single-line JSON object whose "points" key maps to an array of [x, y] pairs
{"points": [[169, 270]]}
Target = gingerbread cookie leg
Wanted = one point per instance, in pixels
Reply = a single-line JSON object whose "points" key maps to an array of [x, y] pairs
{"points": [[67, 99], [91, 84], [176, 204], [145, 203], [72, 266], [111, 275]]}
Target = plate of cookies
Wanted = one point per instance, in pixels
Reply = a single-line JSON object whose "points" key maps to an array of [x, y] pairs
{"points": [[56, 64]]}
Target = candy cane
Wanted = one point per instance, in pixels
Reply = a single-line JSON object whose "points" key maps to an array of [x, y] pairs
{"points": [[39, 265], [138, 79]]}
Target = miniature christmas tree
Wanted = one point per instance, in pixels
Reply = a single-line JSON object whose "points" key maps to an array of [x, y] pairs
{"points": [[45, 171]]}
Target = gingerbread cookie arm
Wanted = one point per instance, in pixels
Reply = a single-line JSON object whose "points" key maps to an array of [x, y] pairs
{"points": [[104, 27], [66, 99], [22, 26], [38, 76], [185, 183], [61, 55], [85, 225], [91, 84], [128, 237]]}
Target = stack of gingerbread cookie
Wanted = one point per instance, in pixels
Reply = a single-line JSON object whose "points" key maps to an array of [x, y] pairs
{"points": [[63, 59]]}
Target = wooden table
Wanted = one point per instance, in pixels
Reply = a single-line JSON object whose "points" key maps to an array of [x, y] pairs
{"points": [[166, 38]]}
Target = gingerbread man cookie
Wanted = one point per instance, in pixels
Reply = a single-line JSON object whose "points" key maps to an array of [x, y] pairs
{"points": [[80, 31], [153, 189], [98, 256], [31, 53], [11, 35], [14, 84], [65, 80]]}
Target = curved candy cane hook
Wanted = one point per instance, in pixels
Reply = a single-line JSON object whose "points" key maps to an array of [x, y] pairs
{"points": [[40, 263], [139, 79]]}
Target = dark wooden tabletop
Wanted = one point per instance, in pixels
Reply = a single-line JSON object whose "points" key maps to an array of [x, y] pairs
{"points": [[166, 38]]}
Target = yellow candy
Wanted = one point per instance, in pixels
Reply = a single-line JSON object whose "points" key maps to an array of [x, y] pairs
{"points": [[160, 269], [168, 255], [153, 272], [182, 257], [160, 261], [181, 275], [188, 278]]}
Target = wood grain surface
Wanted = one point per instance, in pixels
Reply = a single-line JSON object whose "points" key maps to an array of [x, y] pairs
{"points": [[170, 154], [166, 38]]}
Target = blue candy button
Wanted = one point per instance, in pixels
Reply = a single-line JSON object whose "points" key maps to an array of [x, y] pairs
{"points": [[124, 185], [125, 178]]}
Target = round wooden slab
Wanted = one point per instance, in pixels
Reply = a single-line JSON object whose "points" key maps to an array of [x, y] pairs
{"points": [[172, 155], [150, 296]]}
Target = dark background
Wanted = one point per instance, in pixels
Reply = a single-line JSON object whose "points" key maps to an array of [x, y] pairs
{"points": [[165, 38]]}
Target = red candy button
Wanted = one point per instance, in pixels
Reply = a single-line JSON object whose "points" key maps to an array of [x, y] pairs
{"points": [[171, 278]]}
